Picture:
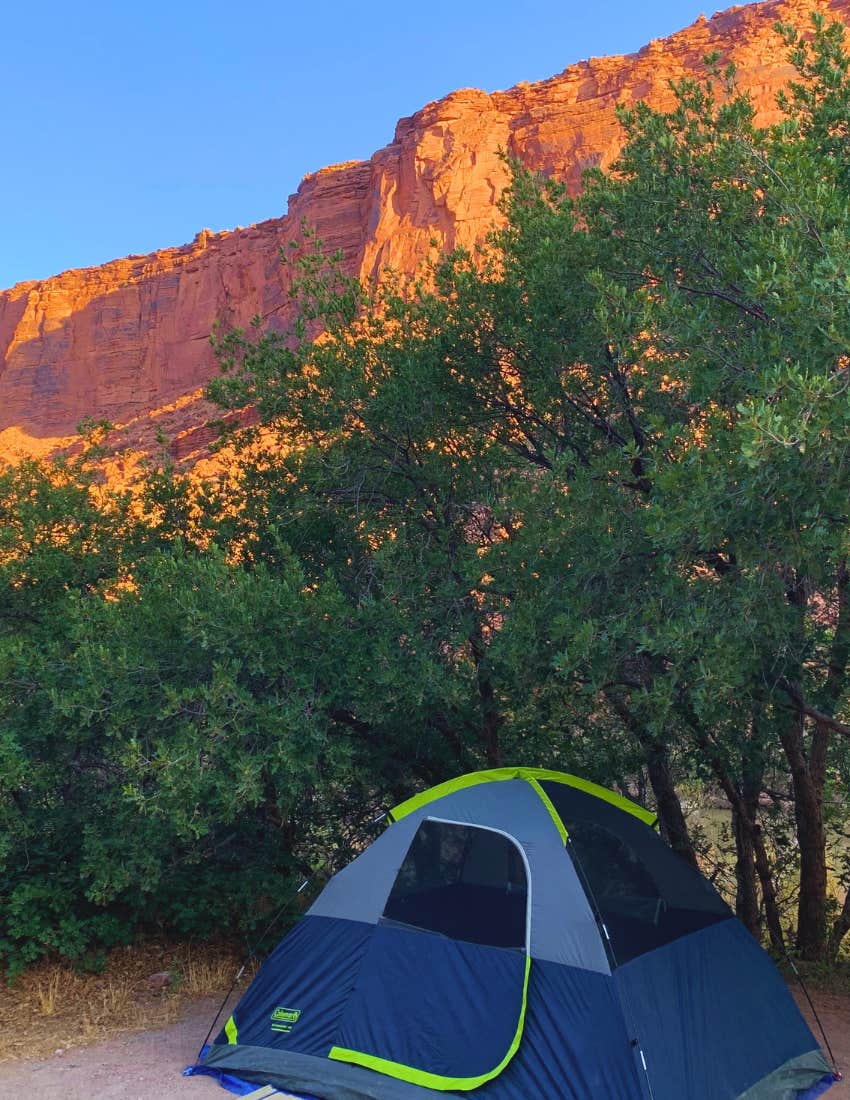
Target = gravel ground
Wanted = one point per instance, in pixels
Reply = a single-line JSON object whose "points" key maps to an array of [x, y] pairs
{"points": [[147, 1066]]}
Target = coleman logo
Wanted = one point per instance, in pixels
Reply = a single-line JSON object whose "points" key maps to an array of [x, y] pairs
{"points": [[284, 1019]]}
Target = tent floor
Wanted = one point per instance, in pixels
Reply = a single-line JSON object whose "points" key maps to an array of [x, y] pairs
{"points": [[268, 1092]]}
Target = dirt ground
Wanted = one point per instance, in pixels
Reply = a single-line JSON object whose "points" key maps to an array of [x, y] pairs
{"points": [[144, 1066], [147, 1066], [834, 1012]]}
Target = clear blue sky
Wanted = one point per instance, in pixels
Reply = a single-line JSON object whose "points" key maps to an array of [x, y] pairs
{"points": [[130, 126]]}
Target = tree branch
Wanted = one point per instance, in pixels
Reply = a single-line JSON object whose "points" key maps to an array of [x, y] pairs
{"points": [[802, 707]]}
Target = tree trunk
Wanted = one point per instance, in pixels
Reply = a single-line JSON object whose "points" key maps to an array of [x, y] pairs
{"points": [[828, 701], [751, 847], [753, 771], [839, 929], [669, 806], [743, 822], [746, 889], [753, 865], [768, 893], [491, 720], [811, 839], [670, 814], [808, 795]]}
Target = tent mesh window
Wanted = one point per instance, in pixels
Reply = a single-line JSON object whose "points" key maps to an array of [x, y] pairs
{"points": [[645, 893], [464, 882]]}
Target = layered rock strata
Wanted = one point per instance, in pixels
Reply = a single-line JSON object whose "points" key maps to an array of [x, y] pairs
{"points": [[129, 341]]}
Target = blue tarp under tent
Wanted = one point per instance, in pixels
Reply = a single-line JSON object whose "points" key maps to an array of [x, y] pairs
{"points": [[519, 934]]}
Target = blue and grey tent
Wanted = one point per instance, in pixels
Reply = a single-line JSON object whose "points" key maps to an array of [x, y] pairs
{"points": [[520, 934]]}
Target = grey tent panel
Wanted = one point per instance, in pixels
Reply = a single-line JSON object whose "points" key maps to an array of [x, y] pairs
{"points": [[787, 1082], [358, 892], [312, 1076], [563, 927]]}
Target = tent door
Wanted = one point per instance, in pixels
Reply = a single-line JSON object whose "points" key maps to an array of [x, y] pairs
{"points": [[440, 997]]}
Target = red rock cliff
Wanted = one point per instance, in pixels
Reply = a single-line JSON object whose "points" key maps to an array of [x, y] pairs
{"points": [[128, 341]]}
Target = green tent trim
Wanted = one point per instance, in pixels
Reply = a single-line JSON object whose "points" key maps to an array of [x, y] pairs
{"points": [[530, 775]]}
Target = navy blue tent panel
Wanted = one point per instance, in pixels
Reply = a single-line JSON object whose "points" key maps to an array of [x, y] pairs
{"points": [[575, 1045], [713, 1014], [442, 1006], [520, 934], [299, 995]]}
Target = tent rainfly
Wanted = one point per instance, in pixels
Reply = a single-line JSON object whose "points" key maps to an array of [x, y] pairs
{"points": [[519, 934]]}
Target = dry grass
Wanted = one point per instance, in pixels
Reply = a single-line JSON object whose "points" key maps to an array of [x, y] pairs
{"points": [[52, 1007]]}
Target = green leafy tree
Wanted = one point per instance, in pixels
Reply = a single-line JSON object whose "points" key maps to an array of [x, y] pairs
{"points": [[578, 497], [599, 472]]}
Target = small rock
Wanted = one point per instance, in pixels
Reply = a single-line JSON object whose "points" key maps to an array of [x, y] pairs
{"points": [[162, 980]]}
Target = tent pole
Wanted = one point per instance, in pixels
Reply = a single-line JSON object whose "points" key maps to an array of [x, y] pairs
{"points": [[837, 1074], [252, 953]]}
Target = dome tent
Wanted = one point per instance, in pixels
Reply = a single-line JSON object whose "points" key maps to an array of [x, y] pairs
{"points": [[520, 933]]}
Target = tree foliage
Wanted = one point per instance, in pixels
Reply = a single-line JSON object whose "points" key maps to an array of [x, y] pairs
{"points": [[578, 497]]}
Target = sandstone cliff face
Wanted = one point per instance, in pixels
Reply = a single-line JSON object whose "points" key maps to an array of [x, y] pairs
{"points": [[128, 341]]}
